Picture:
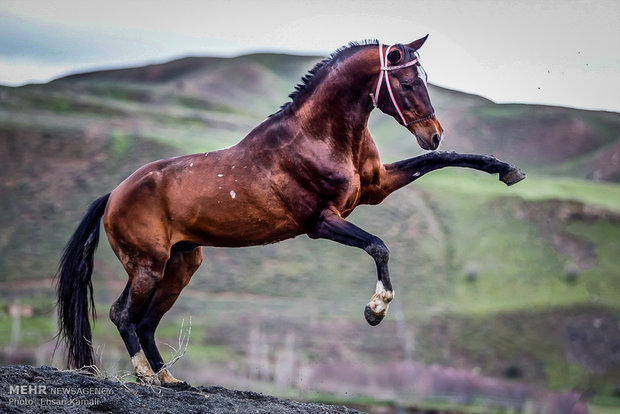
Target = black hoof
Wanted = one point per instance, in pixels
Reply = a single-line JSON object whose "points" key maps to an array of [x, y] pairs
{"points": [[372, 318], [512, 176]]}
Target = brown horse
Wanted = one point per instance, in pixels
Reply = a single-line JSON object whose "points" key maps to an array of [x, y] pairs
{"points": [[302, 171]]}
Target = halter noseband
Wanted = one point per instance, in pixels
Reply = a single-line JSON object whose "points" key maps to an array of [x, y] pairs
{"points": [[385, 69]]}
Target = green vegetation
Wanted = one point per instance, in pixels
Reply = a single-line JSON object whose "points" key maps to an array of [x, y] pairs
{"points": [[535, 187], [119, 144], [500, 279], [488, 227]]}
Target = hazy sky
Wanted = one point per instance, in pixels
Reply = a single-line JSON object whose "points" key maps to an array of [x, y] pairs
{"points": [[563, 52]]}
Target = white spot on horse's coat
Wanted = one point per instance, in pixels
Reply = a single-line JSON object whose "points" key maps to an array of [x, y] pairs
{"points": [[233, 194], [220, 175]]}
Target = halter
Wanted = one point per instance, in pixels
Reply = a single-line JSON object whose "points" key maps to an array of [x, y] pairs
{"points": [[385, 69]]}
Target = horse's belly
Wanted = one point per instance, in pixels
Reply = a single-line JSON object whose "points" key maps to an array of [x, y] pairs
{"points": [[229, 225], [241, 234]]}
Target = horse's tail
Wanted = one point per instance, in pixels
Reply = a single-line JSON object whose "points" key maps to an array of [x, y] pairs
{"points": [[75, 288]]}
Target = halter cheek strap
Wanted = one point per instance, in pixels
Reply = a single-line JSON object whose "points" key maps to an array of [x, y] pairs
{"points": [[385, 70]]}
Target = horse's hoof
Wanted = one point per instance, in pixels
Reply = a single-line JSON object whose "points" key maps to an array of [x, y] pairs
{"points": [[149, 380], [373, 318], [512, 176], [165, 377], [143, 370]]}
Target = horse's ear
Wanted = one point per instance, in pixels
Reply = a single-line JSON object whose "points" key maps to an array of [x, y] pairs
{"points": [[416, 44], [394, 56]]}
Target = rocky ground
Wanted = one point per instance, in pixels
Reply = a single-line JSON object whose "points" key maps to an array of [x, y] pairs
{"points": [[26, 389]]}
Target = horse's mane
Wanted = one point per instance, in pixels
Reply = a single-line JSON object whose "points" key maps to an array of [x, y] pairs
{"points": [[309, 79]]}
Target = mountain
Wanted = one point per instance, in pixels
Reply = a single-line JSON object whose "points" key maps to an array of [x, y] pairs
{"points": [[575, 142], [516, 283]]}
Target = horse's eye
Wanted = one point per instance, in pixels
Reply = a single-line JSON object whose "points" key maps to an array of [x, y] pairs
{"points": [[406, 86]]}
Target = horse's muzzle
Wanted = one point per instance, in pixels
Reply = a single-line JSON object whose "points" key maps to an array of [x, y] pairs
{"points": [[428, 133]]}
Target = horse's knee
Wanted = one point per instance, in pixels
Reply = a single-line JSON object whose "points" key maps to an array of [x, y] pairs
{"points": [[379, 251]]}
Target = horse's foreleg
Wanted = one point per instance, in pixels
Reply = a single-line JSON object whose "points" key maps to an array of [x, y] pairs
{"points": [[401, 173], [333, 227]]}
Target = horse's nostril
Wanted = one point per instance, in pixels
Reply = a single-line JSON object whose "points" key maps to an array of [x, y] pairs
{"points": [[436, 140]]}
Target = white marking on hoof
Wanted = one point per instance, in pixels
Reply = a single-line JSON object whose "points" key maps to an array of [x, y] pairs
{"points": [[165, 377], [387, 295], [141, 367], [233, 194], [380, 301]]}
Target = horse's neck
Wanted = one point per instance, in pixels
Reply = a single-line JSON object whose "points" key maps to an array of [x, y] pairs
{"points": [[339, 106]]}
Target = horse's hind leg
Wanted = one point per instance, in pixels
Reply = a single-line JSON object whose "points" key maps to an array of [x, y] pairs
{"points": [[145, 270], [179, 270]]}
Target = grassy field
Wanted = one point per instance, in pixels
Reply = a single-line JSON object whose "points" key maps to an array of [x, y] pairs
{"points": [[492, 234]]}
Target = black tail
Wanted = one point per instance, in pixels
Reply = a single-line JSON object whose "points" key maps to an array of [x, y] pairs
{"points": [[75, 288]]}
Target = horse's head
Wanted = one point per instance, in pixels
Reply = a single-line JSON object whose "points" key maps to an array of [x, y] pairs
{"points": [[406, 98]]}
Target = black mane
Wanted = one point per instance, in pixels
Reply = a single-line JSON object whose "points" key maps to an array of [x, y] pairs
{"points": [[306, 83]]}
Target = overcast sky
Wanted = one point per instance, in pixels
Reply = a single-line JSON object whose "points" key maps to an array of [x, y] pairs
{"points": [[564, 52]]}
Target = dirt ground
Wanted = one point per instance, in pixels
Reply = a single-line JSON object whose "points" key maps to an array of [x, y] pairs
{"points": [[26, 389]]}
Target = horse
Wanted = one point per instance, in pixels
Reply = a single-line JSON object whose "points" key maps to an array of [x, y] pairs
{"points": [[301, 171]]}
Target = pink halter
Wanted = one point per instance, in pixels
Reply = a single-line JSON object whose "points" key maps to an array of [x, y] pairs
{"points": [[385, 69]]}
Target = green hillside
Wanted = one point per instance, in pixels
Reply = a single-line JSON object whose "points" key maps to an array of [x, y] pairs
{"points": [[518, 283]]}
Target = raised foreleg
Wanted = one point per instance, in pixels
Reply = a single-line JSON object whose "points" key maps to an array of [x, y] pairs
{"points": [[399, 174], [332, 226]]}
